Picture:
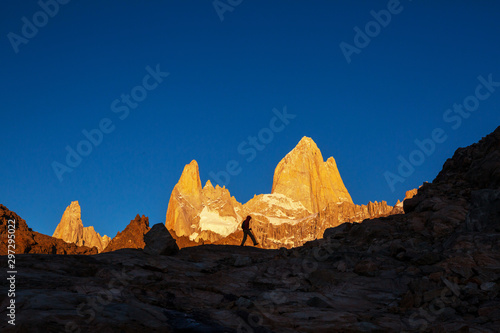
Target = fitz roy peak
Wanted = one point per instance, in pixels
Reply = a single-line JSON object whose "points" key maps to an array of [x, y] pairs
{"points": [[303, 176]]}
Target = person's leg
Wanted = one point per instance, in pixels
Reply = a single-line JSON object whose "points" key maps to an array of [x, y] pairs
{"points": [[244, 238], [252, 237]]}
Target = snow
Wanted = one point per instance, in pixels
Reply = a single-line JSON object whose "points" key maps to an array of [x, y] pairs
{"points": [[193, 236], [283, 201], [212, 221]]}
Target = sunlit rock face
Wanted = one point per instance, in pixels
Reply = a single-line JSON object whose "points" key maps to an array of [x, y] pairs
{"points": [[308, 197], [303, 176], [132, 237], [71, 230], [202, 214]]}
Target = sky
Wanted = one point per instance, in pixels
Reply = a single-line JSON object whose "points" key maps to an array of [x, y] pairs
{"points": [[105, 102]]}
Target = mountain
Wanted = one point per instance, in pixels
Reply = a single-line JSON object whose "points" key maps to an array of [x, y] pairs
{"points": [[303, 176], [308, 196], [71, 230], [202, 214], [132, 237], [29, 241]]}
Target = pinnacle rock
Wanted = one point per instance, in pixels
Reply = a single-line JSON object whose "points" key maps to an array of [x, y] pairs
{"points": [[303, 176]]}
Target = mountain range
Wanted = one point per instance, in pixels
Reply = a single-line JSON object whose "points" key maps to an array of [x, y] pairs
{"points": [[307, 197], [433, 268]]}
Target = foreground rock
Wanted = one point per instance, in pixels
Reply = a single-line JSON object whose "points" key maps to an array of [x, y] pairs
{"points": [[159, 241], [29, 241]]}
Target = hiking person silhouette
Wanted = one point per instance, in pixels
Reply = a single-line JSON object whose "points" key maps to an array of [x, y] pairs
{"points": [[247, 231]]}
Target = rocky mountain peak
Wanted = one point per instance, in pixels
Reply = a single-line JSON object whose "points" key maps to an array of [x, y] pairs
{"points": [[132, 237], [208, 185], [190, 183], [71, 229], [303, 176], [196, 212]]}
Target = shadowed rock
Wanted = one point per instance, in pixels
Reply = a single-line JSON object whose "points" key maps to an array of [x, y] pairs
{"points": [[159, 241]]}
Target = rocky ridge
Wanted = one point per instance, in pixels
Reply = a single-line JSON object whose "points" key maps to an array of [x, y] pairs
{"points": [[132, 237]]}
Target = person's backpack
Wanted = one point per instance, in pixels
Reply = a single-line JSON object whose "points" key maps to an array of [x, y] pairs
{"points": [[244, 225]]}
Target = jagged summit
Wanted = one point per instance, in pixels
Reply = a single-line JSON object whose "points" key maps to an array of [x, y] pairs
{"points": [[71, 225], [307, 142], [303, 176], [71, 229], [190, 182], [197, 212], [208, 185]]}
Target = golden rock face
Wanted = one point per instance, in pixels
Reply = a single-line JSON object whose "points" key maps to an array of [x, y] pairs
{"points": [[308, 196], [188, 200], [71, 229], [303, 176]]}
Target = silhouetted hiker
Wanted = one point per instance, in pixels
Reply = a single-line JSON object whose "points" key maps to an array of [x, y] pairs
{"points": [[247, 231]]}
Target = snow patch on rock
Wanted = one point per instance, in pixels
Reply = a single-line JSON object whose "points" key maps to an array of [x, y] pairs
{"points": [[212, 221]]}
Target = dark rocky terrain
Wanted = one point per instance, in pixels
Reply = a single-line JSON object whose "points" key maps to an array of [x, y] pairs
{"points": [[435, 268]]}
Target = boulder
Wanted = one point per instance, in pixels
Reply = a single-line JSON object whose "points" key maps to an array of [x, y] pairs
{"points": [[159, 241]]}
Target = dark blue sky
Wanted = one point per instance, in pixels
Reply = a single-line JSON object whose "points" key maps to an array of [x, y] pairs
{"points": [[225, 78]]}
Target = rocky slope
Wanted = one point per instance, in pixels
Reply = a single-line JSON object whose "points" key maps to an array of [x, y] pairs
{"points": [[71, 229], [434, 269], [132, 237], [29, 241]]}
